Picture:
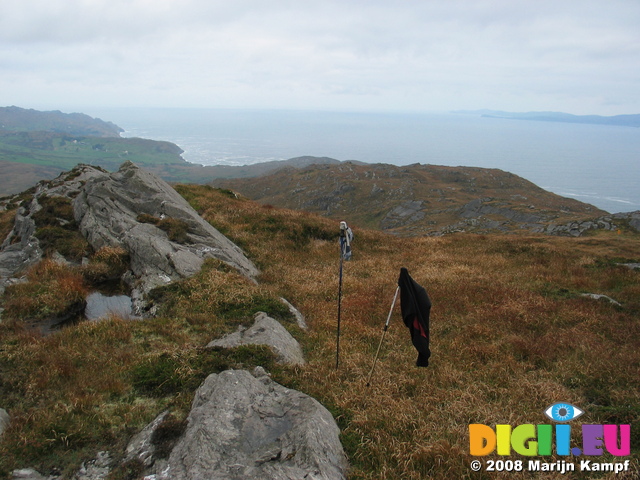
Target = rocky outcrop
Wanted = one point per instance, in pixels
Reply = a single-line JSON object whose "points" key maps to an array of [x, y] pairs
{"points": [[479, 207], [109, 209], [408, 212], [20, 249], [611, 222], [248, 427], [482, 215], [632, 266], [265, 331], [133, 209]]}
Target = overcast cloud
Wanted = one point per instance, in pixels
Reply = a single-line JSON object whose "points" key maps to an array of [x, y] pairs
{"points": [[577, 56]]}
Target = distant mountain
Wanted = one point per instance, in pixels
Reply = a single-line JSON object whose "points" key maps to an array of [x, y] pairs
{"points": [[16, 119], [616, 120], [415, 199]]}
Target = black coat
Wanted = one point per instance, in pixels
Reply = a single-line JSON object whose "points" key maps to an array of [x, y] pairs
{"points": [[416, 307]]}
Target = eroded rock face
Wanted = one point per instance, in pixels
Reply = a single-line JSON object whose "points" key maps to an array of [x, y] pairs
{"points": [[246, 427], [108, 211], [20, 249]]}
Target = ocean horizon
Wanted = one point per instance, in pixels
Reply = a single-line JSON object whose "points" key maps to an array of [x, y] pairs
{"points": [[596, 164]]}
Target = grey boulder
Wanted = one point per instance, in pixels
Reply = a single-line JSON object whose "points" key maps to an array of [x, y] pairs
{"points": [[246, 427]]}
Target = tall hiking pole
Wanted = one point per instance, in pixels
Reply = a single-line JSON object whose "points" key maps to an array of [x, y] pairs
{"points": [[346, 236], [384, 333], [339, 304]]}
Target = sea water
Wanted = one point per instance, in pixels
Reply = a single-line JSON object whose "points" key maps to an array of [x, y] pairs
{"points": [[597, 164]]}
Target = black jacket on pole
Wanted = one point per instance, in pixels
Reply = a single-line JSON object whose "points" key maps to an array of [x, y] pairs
{"points": [[416, 307]]}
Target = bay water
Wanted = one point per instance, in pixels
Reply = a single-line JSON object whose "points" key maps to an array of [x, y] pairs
{"points": [[596, 164]]}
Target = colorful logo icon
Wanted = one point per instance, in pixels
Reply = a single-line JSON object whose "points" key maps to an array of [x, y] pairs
{"points": [[563, 412], [529, 439]]}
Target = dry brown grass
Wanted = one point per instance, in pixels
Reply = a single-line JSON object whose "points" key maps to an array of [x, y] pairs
{"points": [[107, 264], [51, 290], [6, 223], [510, 336]]}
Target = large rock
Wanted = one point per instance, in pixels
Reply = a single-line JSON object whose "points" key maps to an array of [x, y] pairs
{"points": [[245, 427], [265, 331], [108, 210]]}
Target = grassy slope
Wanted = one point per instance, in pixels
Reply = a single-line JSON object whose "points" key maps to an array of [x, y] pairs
{"points": [[510, 336]]}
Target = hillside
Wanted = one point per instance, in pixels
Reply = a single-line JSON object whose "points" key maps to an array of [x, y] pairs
{"points": [[513, 330], [18, 119], [415, 199]]}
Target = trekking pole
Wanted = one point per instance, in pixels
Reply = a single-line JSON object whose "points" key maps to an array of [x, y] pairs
{"points": [[384, 333], [346, 236], [339, 302]]}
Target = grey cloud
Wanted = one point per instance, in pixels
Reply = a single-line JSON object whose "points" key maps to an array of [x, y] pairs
{"points": [[405, 54]]}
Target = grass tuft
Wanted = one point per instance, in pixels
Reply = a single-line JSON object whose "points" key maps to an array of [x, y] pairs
{"points": [[177, 230]]}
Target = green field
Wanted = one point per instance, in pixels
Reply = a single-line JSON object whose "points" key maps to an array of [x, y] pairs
{"points": [[65, 152]]}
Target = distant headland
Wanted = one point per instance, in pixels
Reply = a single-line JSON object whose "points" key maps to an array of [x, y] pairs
{"points": [[616, 120]]}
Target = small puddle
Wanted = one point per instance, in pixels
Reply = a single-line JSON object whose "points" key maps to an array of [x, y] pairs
{"points": [[100, 306]]}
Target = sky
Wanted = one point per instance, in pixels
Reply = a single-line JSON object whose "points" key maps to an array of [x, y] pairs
{"points": [[575, 56]]}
